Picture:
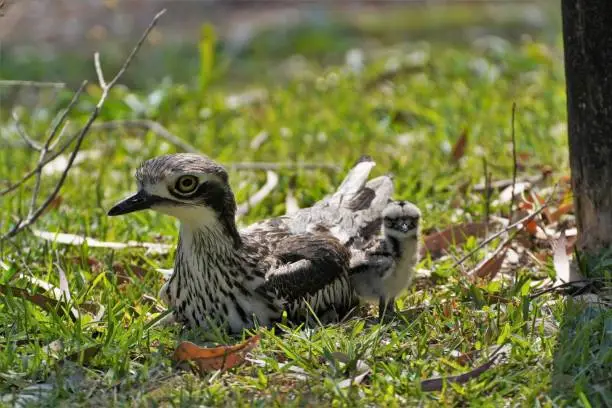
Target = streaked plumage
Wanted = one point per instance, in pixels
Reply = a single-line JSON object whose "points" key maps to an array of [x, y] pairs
{"points": [[385, 266], [226, 277]]}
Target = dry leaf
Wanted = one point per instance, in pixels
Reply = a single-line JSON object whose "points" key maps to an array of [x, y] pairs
{"points": [[42, 301], [531, 226], [506, 194], [63, 282], [54, 204], [438, 242], [354, 380], [215, 358], [459, 148], [561, 262], [560, 211], [361, 367], [490, 266], [123, 272]]}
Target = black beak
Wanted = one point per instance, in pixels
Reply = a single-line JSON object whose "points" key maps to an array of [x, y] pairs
{"points": [[139, 201], [408, 225], [405, 227]]}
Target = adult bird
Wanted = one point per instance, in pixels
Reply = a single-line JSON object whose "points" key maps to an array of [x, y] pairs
{"points": [[238, 279]]}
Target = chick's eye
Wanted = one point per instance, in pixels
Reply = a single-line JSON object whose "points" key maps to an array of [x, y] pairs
{"points": [[186, 184]]}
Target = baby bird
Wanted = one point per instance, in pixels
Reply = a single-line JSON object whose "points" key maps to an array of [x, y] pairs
{"points": [[383, 269]]}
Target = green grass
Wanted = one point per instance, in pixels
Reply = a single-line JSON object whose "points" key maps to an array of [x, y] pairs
{"points": [[408, 125]]}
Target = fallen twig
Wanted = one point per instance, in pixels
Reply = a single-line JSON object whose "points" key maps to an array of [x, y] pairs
{"points": [[32, 84], [46, 303], [514, 164], [34, 212], [71, 239], [260, 195], [436, 384]]}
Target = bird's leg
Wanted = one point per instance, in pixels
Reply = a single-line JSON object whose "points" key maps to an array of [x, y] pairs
{"points": [[386, 307]]}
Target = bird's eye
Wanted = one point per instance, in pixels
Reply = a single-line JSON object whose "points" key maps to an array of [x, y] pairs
{"points": [[186, 184]]}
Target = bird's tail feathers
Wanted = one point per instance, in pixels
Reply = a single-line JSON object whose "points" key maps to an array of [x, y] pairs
{"points": [[383, 188], [354, 181]]}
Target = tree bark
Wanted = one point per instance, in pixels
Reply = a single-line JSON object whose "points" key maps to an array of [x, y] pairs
{"points": [[587, 37]]}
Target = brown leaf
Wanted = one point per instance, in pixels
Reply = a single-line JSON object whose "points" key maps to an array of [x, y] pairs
{"points": [[215, 358], [531, 226], [54, 204], [438, 242], [560, 211], [436, 384], [123, 272], [459, 148], [490, 266], [44, 302]]}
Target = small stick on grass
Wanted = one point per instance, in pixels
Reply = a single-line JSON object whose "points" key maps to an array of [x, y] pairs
{"points": [[436, 384], [514, 163], [260, 195], [487, 193], [32, 84]]}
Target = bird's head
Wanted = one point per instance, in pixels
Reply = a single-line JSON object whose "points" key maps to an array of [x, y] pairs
{"points": [[190, 187], [401, 219]]}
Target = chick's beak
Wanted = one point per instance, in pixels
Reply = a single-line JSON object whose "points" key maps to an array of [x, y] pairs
{"points": [[136, 202], [405, 227]]}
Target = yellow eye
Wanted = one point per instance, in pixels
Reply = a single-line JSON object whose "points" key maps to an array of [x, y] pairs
{"points": [[186, 184]]}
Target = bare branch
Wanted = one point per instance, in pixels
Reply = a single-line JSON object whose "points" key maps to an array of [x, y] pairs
{"points": [[58, 121], [34, 214], [24, 135], [99, 72], [260, 195]]}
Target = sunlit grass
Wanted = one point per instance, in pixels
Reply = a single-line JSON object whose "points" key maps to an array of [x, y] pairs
{"points": [[408, 123]]}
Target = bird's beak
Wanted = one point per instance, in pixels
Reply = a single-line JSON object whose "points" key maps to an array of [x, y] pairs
{"points": [[405, 227], [136, 202]]}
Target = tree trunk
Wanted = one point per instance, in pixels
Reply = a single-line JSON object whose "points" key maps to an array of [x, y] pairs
{"points": [[587, 37]]}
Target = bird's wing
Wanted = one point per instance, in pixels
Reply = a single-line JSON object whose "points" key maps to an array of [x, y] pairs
{"points": [[301, 265], [353, 213], [373, 264]]}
